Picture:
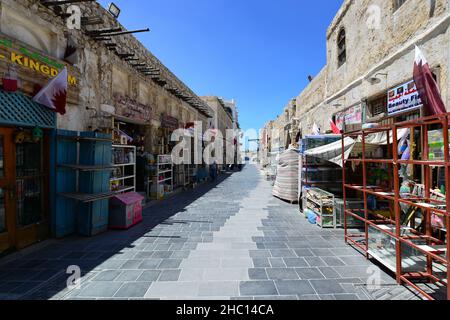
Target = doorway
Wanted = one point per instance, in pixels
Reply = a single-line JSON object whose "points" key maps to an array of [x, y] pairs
{"points": [[23, 189]]}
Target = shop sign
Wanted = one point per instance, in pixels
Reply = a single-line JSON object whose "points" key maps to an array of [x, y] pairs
{"points": [[351, 116], [34, 61], [132, 109], [169, 122], [404, 98]]}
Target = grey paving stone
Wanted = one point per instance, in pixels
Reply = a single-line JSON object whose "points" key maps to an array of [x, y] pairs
{"points": [[218, 288], [295, 262], [283, 253], [108, 275], [170, 275], [282, 274], [260, 254], [276, 298], [346, 297], [257, 274], [315, 262], [180, 254], [227, 274], [133, 290], [277, 263], [333, 261], [329, 272], [262, 263], [304, 253], [191, 274], [100, 289], [149, 276], [129, 275], [150, 264], [327, 297], [309, 273], [275, 245], [162, 254], [356, 261], [131, 264], [327, 286], [323, 252], [296, 287], [143, 255], [170, 264], [172, 289], [257, 288], [310, 297]]}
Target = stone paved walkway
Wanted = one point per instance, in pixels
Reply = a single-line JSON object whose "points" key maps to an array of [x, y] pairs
{"points": [[232, 240]]}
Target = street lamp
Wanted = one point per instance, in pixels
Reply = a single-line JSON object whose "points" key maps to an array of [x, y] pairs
{"points": [[114, 10]]}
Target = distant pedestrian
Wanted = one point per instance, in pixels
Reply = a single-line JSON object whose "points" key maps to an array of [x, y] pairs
{"points": [[213, 171]]}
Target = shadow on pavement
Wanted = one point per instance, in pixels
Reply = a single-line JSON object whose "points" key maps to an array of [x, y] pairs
{"points": [[40, 272]]}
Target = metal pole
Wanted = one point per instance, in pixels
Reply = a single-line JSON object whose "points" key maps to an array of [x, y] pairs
{"points": [[397, 204], [447, 196], [344, 190], [428, 186], [366, 206]]}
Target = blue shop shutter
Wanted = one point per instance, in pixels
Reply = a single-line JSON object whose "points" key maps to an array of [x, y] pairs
{"points": [[20, 110]]}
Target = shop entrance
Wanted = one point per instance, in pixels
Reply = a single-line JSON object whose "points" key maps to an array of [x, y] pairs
{"points": [[23, 188]]}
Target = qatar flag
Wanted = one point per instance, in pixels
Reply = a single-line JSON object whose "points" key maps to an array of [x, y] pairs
{"points": [[427, 86], [334, 127], [54, 94]]}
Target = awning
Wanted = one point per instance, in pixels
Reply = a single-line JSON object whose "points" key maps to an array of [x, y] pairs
{"points": [[130, 121], [18, 109], [333, 152]]}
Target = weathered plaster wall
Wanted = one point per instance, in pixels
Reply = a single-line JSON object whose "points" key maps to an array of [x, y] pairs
{"points": [[387, 49]]}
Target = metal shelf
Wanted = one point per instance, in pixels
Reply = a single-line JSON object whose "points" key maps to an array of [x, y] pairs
{"points": [[86, 198], [421, 241], [78, 138], [123, 165], [122, 178], [86, 168]]}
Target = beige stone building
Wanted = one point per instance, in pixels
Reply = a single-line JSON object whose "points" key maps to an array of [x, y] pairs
{"points": [[115, 84], [223, 120], [370, 53]]}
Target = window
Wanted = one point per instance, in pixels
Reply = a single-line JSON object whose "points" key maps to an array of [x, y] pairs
{"points": [[377, 107], [342, 48], [398, 4]]}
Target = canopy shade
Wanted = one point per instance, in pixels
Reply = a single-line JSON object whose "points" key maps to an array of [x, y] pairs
{"points": [[333, 152]]}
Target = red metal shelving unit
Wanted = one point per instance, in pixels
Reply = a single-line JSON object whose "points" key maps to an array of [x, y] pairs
{"points": [[436, 251]]}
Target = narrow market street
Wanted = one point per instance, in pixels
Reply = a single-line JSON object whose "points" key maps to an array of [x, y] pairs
{"points": [[229, 240]]}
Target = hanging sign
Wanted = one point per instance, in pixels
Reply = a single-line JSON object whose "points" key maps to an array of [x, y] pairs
{"points": [[404, 98], [32, 61], [351, 116], [169, 122], [132, 109]]}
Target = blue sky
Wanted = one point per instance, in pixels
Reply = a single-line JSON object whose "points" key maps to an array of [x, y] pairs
{"points": [[259, 52]]}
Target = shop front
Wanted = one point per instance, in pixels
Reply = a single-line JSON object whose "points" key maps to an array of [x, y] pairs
{"points": [[132, 130], [27, 144], [25, 148]]}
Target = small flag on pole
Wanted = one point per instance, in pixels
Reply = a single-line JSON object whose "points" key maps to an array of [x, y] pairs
{"points": [[334, 127], [316, 130], [54, 94]]}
